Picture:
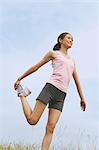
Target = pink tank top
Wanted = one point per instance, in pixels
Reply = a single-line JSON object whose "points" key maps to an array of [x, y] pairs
{"points": [[63, 67]]}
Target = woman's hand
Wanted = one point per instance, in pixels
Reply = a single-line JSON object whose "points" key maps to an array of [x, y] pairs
{"points": [[83, 104], [16, 84]]}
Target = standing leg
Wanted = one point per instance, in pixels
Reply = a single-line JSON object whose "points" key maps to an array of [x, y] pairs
{"points": [[34, 115], [53, 118]]}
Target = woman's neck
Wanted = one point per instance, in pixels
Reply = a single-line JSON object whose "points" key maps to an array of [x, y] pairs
{"points": [[64, 50]]}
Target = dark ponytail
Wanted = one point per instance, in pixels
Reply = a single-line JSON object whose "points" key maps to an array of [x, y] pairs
{"points": [[58, 45]]}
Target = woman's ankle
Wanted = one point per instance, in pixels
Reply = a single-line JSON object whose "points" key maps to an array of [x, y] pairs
{"points": [[22, 98]]}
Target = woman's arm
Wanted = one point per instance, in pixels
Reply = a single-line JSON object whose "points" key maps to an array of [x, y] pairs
{"points": [[48, 56], [78, 86]]}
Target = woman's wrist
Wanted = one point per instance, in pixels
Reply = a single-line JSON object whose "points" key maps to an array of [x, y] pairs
{"points": [[82, 99], [19, 79]]}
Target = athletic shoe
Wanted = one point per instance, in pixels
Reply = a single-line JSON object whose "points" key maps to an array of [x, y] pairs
{"points": [[23, 92]]}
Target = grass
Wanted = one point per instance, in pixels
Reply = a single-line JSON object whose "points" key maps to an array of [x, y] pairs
{"points": [[85, 141], [18, 147], [37, 147]]}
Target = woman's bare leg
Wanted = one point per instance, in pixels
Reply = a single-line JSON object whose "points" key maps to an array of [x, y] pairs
{"points": [[34, 115], [53, 118]]}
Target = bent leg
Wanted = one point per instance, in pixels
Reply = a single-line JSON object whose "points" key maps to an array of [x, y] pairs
{"points": [[53, 118], [34, 115]]}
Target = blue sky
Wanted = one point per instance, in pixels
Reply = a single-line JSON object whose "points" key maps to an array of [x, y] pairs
{"points": [[28, 29]]}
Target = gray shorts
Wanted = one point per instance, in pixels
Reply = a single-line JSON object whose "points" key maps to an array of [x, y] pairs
{"points": [[53, 96]]}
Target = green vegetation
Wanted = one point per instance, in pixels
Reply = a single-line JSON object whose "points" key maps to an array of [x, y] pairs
{"points": [[37, 147]]}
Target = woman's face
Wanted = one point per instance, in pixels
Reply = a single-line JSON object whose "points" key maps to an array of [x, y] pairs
{"points": [[67, 41]]}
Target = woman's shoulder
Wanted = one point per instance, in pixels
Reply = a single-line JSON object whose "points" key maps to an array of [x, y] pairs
{"points": [[73, 59], [53, 53]]}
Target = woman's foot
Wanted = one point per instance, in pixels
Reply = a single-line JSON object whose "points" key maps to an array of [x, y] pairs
{"points": [[23, 92]]}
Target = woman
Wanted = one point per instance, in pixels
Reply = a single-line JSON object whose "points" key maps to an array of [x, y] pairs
{"points": [[54, 91]]}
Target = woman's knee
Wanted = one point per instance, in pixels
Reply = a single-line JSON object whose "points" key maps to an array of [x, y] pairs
{"points": [[32, 121], [50, 128]]}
